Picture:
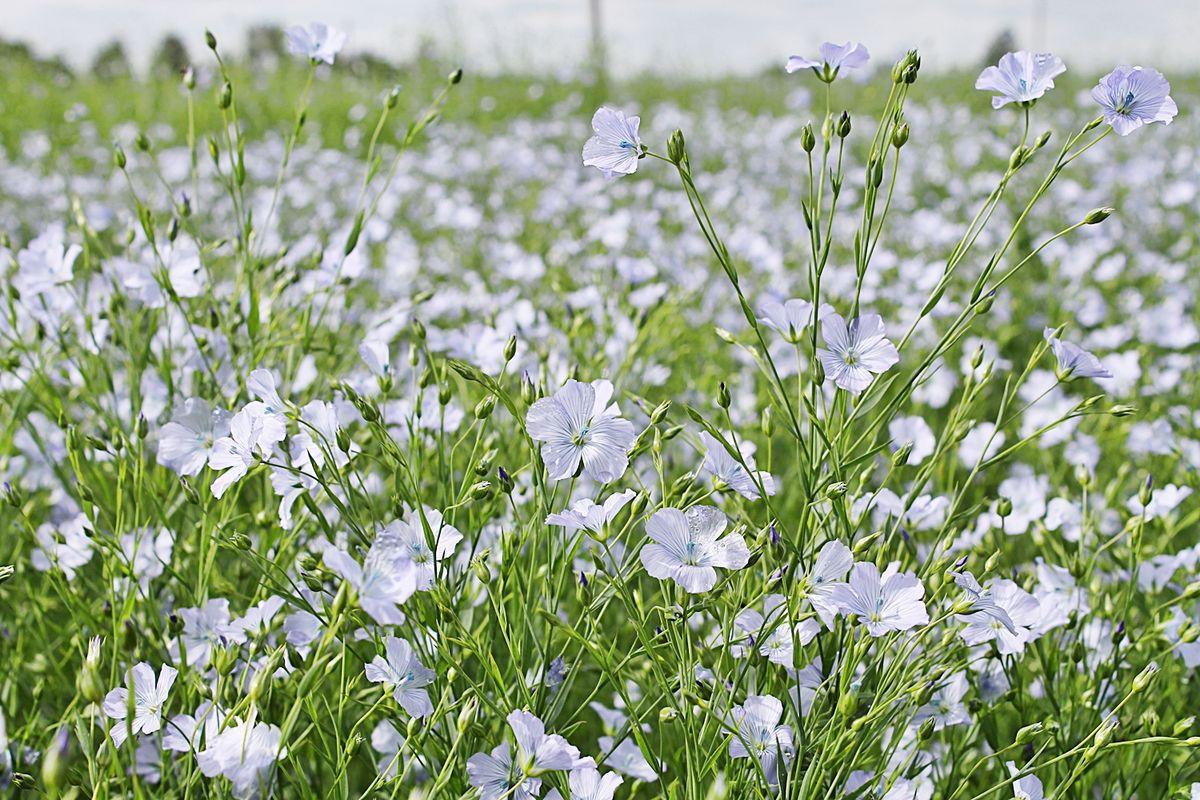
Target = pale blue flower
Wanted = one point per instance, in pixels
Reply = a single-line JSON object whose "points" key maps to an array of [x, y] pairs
{"points": [[832, 58], [1020, 77], [1134, 96]]}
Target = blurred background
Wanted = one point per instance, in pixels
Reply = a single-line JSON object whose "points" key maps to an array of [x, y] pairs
{"points": [[700, 38]]}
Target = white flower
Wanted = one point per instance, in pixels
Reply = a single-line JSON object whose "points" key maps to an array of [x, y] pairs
{"points": [[1073, 360], [855, 352], [1020, 77], [791, 317], [834, 560], [585, 514], [884, 603], [204, 628], [149, 697], [616, 147], [587, 784], [383, 581], [46, 263], [831, 59], [245, 754], [759, 734], [66, 546], [945, 706], [409, 541], [1011, 635], [235, 453], [719, 463], [498, 778], [1164, 500], [770, 629], [317, 42], [626, 758], [375, 355], [405, 674], [539, 752], [1030, 788], [684, 547], [578, 426], [146, 554], [186, 442]]}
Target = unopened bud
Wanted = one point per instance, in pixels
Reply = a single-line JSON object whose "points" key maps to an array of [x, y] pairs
{"points": [[676, 149], [1098, 215]]}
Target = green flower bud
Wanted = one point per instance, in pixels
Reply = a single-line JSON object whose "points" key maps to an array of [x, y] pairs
{"points": [[485, 407], [843, 125], [808, 139], [900, 135], [676, 150], [1098, 215]]}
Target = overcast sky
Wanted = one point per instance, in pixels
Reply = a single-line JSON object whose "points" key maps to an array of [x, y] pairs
{"points": [[703, 36]]}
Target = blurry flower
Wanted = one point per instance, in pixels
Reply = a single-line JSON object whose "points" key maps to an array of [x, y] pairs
{"points": [[245, 754], [1020, 77], [375, 355], [186, 442], [1132, 97], [1073, 360], [316, 42], [853, 353], [832, 58], [66, 546], [914, 431], [616, 147], [578, 427], [791, 317], [724, 467], [587, 784], [383, 581], [405, 674], [684, 547], [585, 514]]}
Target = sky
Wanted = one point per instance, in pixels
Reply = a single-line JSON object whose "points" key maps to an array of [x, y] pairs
{"points": [[706, 37]]}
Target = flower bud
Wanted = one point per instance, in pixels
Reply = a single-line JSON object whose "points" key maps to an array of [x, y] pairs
{"points": [[455, 77], [90, 683], [808, 139], [480, 490], [900, 135], [723, 398], [843, 125], [210, 40], [1146, 491], [510, 348], [676, 150], [189, 79], [1098, 215], [118, 157], [485, 407], [226, 98], [1004, 507], [1144, 677]]}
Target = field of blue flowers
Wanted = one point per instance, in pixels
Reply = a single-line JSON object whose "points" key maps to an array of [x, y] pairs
{"points": [[829, 435]]}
